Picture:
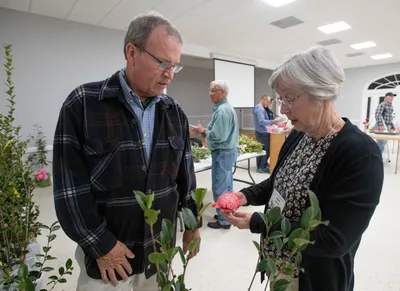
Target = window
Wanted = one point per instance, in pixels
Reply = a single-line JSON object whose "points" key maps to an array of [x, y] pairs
{"points": [[388, 82]]}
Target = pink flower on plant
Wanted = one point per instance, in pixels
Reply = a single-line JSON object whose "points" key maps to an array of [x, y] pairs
{"points": [[41, 175], [227, 202], [5, 225]]}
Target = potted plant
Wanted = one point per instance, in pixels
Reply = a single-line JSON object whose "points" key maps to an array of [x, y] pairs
{"points": [[39, 159], [22, 267]]}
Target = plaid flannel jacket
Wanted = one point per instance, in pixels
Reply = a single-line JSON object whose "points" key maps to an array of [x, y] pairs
{"points": [[385, 111], [99, 159]]}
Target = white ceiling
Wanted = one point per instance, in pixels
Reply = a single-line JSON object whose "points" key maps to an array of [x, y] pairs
{"points": [[240, 29]]}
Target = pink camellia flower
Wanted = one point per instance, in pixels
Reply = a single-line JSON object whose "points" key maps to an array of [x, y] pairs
{"points": [[41, 175], [5, 225], [227, 202]]}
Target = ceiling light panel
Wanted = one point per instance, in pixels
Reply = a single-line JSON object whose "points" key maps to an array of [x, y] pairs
{"points": [[278, 3], [334, 27], [381, 56], [363, 45]]}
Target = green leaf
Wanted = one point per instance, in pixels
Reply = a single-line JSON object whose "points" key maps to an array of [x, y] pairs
{"points": [[297, 233], [274, 214], [299, 258], [141, 198], [157, 258], [167, 230], [62, 280], [46, 249], [29, 285], [302, 243], [52, 237], [257, 245], [280, 285], [167, 287], [171, 254], [55, 228], [268, 266], [199, 195], [48, 257], [306, 217], [188, 218], [47, 269], [61, 271], [53, 278], [264, 218], [23, 271], [68, 264], [276, 234], [203, 209], [193, 244], [151, 216], [278, 243], [285, 225], [313, 200], [183, 259], [148, 199]]}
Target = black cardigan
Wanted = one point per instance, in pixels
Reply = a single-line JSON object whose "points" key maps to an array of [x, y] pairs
{"points": [[348, 184]]}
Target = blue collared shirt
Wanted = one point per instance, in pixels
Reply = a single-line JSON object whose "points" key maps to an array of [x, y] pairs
{"points": [[145, 116], [261, 119]]}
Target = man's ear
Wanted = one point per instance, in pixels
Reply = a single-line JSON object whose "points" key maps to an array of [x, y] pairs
{"points": [[130, 53]]}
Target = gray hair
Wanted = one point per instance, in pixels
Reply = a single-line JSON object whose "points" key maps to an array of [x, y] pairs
{"points": [[316, 70], [143, 25], [222, 85]]}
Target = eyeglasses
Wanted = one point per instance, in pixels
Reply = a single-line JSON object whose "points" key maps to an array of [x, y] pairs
{"points": [[165, 66], [285, 101]]}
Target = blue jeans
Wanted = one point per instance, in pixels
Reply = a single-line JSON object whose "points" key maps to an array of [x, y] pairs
{"points": [[222, 178], [263, 137], [382, 143]]}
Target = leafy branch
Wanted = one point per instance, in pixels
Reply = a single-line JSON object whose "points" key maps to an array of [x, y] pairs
{"points": [[164, 250], [286, 239]]}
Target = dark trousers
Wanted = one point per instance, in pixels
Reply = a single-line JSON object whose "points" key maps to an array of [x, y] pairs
{"points": [[263, 137]]}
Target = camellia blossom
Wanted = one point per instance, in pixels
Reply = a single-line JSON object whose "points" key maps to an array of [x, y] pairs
{"points": [[41, 175], [227, 202]]}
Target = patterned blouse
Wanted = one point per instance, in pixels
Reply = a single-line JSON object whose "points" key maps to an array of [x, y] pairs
{"points": [[293, 181]]}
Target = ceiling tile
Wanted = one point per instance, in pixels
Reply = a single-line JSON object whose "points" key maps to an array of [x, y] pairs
{"points": [[125, 11], [355, 54], [20, 5], [53, 8], [172, 9], [91, 11]]}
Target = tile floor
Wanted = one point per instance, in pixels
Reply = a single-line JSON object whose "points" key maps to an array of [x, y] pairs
{"points": [[228, 257]]}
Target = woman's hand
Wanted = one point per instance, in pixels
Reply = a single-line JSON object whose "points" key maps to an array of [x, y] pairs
{"points": [[239, 219]]}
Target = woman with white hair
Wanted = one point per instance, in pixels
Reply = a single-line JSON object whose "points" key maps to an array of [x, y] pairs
{"points": [[328, 155]]}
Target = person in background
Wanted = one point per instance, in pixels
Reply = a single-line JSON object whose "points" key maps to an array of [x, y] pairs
{"points": [[263, 117], [384, 117], [222, 137], [328, 155], [104, 149]]}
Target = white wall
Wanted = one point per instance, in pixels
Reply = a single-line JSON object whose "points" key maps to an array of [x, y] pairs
{"points": [[350, 104], [52, 57]]}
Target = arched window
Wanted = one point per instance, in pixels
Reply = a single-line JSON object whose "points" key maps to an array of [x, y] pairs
{"points": [[388, 82]]}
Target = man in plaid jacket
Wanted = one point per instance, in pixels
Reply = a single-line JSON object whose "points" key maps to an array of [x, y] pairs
{"points": [[384, 117], [116, 136]]}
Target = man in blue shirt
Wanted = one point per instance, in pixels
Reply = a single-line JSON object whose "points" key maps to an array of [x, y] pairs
{"points": [[222, 137], [261, 120]]}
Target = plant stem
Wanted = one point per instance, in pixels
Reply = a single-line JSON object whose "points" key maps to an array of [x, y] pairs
{"points": [[266, 285], [255, 272], [155, 250]]}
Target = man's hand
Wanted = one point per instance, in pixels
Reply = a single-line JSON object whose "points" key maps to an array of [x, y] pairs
{"points": [[188, 236], [276, 120], [239, 219], [115, 260], [196, 128]]}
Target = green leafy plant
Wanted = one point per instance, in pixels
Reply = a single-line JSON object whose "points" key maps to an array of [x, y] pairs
{"points": [[200, 153], [19, 225], [249, 145], [294, 241], [165, 250]]}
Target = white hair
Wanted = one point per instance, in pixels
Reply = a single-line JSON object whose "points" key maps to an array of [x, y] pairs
{"points": [[222, 85], [316, 70]]}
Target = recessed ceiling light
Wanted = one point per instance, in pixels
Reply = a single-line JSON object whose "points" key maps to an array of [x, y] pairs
{"points": [[382, 56], [278, 3], [334, 27], [363, 45]]}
